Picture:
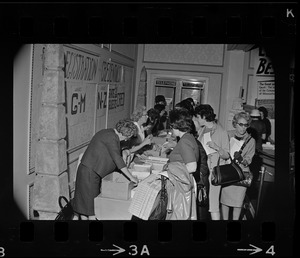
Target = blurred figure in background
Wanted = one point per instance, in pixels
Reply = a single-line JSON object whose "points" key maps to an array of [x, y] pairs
{"points": [[163, 114], [257, 129], [160, 99], [151, 125], [264, 118]]}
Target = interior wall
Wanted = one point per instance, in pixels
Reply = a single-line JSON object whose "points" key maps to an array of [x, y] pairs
{"points": [[81, 110], [198, 60], [21, 118]]}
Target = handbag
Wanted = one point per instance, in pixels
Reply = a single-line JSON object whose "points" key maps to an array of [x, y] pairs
{"points": [[248, 174], [202, 197], [159, 211], [247, 181], [67, 212], [227, 174]]}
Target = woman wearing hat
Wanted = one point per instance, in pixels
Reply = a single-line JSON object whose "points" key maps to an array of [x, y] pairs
{"points": [[257, 129]]}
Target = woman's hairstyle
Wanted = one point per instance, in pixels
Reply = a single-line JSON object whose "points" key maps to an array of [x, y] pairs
{"points": [[191, 101], [127, 128], [264, 110], [181, 119], [160, 99], [186, 104], [240, 115], [153, 114], [159, 107], [138, 113], [206, 111]]}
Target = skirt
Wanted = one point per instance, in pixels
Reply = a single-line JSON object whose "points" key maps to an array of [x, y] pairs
{"points": [[87, 188], [233, 195]]}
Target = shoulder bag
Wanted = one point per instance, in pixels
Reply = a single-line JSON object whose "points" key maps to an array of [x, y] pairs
{"points": [[159, 210], [229, 173]]}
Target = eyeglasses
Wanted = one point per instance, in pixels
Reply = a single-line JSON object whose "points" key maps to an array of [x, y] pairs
{"points": [[241, 124]]}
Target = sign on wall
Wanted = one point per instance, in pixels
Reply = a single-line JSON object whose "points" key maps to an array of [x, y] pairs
{"points": [[101, 99], [80, 66], [116, 100], [112, 72], [262, 84], [265, 89], [80, 107], [81, 75], [76, 99]]}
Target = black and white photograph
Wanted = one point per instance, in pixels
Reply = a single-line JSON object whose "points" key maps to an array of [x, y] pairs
{"points": [[167, 132], [120, 116]]}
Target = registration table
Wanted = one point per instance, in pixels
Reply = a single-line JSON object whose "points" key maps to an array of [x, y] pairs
{"points": [[117, 191]]}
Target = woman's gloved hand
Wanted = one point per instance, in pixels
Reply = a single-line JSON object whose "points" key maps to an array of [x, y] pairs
{"points": [[238, 157]]}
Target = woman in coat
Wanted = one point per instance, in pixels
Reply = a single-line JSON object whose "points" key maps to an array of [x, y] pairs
{"points": [[102, 157], [233, 195], [182, 164], [216, 144]]}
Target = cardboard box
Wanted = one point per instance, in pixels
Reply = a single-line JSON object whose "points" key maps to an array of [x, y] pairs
{"points": [[142, 168], [116, 186], [112, 209], [140, 175], [158, 166]]}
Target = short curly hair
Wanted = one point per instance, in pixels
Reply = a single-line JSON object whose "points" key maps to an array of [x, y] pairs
{"points": [[240, 115], [205, 110], [127, 128], [159, 107], [181, 119], [138, 113], [264, 110], [153, 114], [160, 99]]}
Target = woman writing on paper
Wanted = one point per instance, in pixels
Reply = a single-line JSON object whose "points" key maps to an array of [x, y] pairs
{"points": [[216, 144]]}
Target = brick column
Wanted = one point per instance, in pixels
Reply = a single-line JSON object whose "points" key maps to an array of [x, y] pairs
{"points": [[51, 179]]}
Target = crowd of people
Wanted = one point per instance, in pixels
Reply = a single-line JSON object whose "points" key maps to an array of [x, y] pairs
{"points": [[199, 142]]}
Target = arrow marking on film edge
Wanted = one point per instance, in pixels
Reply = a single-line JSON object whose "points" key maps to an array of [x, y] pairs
{"points": [[256, 250], [119, 250]]}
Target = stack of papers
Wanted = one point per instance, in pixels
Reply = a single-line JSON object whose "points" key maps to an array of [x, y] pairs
{"points": [[144, 197]]}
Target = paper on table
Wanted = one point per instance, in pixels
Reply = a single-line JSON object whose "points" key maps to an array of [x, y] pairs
{"points": [[206, 139]]}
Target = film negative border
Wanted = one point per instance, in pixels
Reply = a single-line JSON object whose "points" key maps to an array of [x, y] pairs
{"points": [[163, 238], [149, 22]]}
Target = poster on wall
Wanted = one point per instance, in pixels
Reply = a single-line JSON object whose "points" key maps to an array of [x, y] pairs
{"points": [[266, 89], [266, 96], [101, 99], [81, 75], [120, 97], [116, 98], [262, 83], [80, 107], [76, 103], [80, 65]]}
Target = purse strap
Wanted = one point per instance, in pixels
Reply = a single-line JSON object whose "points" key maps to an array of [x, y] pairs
{"points": [[245, 143], [240, 151]]}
